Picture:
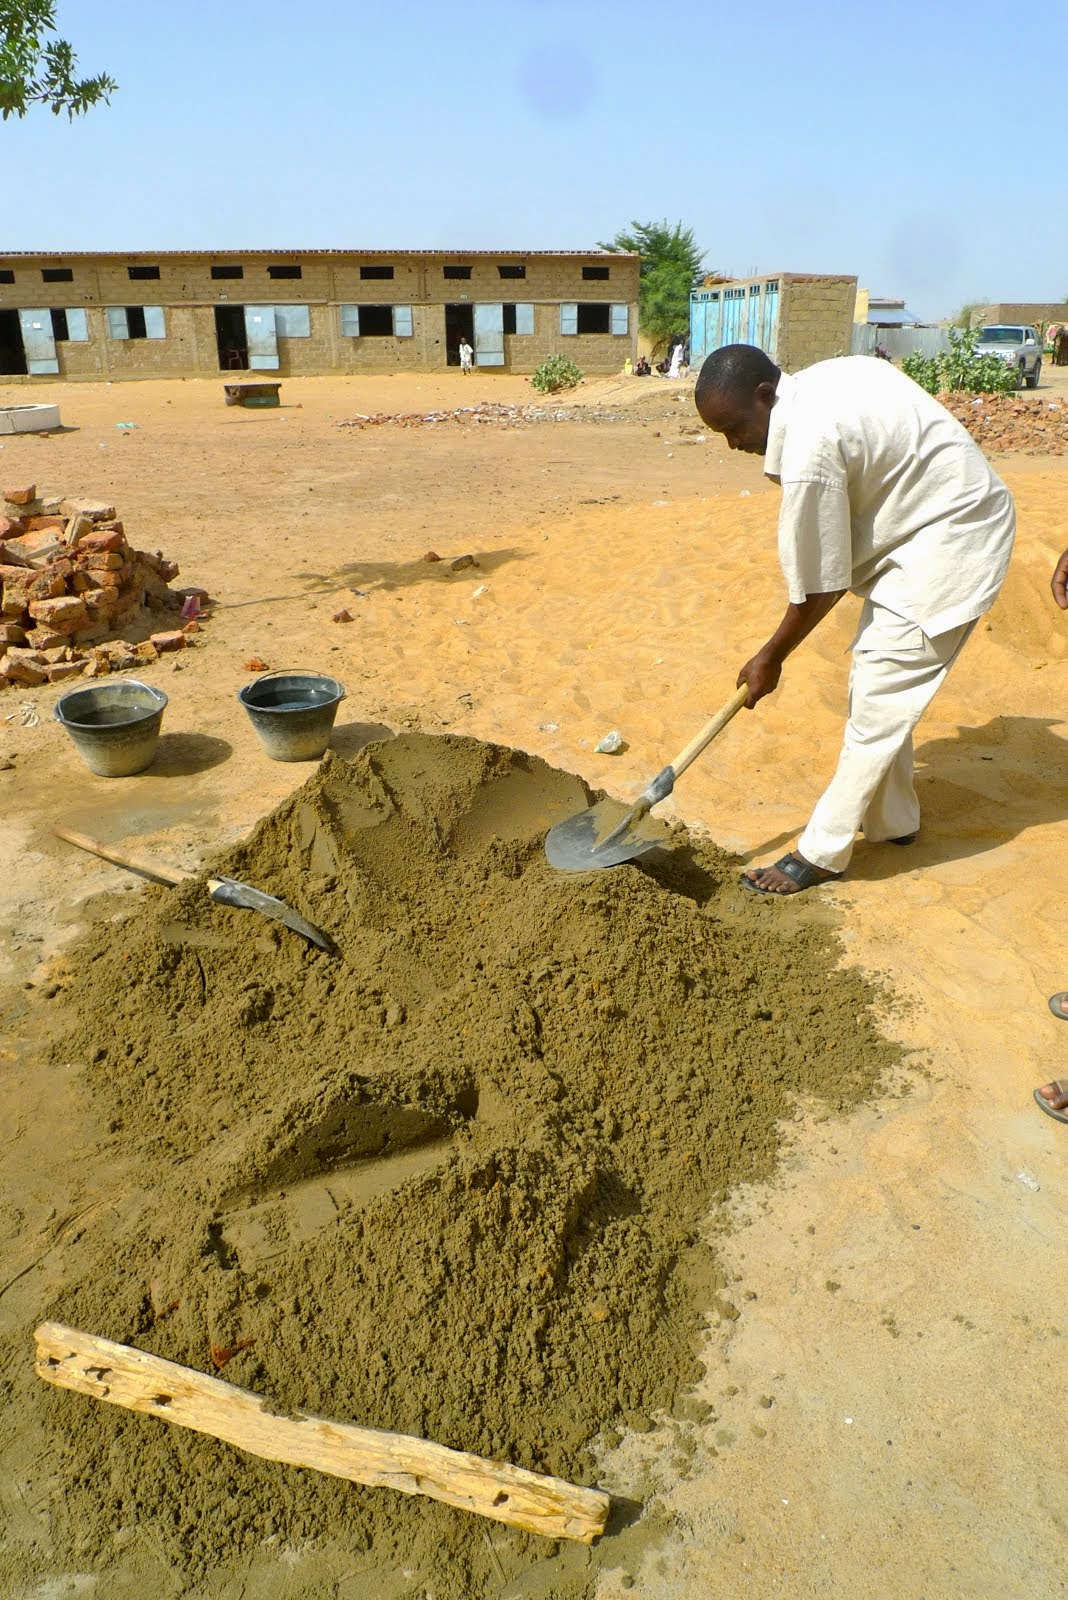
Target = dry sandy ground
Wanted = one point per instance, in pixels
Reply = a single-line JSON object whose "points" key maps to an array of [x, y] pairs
{"points": [[902, 1288]]}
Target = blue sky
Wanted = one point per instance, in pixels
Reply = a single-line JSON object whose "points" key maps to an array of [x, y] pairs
{"points": [[920, 146]]}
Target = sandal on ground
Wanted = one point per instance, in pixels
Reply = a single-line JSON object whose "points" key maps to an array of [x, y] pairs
{"points": [[906, 838], [1058, 1004], [1061, 1086], [803, 873]]}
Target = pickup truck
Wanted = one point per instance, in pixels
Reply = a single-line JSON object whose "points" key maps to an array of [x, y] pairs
{"points": [[1020, 346]]}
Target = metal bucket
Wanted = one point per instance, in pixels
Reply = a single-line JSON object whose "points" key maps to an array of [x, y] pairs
{"points": [[114, 726], [293, 712]]}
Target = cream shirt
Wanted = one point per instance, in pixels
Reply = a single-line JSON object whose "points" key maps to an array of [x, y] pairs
{"points": [[884, 493]]}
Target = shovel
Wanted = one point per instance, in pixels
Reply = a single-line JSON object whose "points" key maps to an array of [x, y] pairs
{"points": [[600, 838], [226, 891]]}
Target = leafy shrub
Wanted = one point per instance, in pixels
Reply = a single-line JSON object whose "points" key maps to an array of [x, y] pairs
{"points": [[959, 369], [556, 372]]}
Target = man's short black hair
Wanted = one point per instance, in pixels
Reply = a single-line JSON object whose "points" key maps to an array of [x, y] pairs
{"points": [[736, 372]]}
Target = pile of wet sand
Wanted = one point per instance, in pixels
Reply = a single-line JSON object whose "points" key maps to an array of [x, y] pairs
{"points": [[448, 1182]]}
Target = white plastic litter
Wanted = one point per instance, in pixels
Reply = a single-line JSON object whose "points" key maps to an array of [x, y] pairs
{"points": [[610, 743]]}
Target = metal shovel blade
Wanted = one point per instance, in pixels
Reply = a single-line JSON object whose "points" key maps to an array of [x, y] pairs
{"points": [[577, 844], [228, 892]]}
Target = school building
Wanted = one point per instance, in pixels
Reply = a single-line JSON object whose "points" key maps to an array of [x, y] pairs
{"points": [[198, 313]]}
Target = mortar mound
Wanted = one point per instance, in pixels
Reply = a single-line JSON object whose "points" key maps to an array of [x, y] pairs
{"points": [[448, 1182]]}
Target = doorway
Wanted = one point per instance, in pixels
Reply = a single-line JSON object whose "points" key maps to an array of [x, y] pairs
{"points": [[459, 324], [12, 350], [231, 338]]}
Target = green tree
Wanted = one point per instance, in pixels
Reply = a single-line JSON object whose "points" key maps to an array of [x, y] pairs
{"points": [[671, 266], [38, 70], [963, 317]]}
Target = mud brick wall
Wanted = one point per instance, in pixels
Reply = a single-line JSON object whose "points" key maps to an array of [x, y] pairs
{"points": [[1036, 313], [815, 318]]}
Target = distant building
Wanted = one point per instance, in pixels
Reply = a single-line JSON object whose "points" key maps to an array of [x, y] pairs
{"points": [[796, 317], [198, 313], [880, 312], [1031, 313]]}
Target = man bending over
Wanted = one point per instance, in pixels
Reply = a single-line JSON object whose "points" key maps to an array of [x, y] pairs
{"points": [[884, 494]]}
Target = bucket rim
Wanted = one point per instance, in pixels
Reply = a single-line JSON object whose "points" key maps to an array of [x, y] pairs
{"points": [[290, 672], [141, 715]]}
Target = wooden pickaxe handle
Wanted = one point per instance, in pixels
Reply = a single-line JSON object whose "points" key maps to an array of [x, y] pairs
{"points": [[125, 858]]}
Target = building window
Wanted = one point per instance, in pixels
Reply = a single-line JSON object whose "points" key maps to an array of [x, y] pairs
{"points": [[595, 274], [228, 272], [57, 274], [136, 322], [518, 318], [376, 322], [594, 318], [376, 272], [285, 272], [511, 269], [6, 275], [452, 270], [142, 272], [70, 324]]}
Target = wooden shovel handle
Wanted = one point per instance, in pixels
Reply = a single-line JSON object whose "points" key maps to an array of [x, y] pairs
{"points": [[690, 752], [124, 858]]}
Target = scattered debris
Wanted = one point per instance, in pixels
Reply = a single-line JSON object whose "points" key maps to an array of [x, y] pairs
{"points": [[611, 744], [256, 664], [342, 616], [431, 555], [462, 563], [1028, 423]]}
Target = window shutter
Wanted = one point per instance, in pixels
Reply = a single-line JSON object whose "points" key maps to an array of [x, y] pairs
{"points": [[350, 321], [524, 319], [155, 324], [292, 322], [402, 322], [569, 319], [619, 319], [117, 325], [77, 325]]}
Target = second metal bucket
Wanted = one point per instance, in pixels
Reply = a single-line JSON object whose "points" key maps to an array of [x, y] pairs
{"points": [[293, 712]]}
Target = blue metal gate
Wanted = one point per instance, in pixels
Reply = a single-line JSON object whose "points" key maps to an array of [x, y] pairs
{"points": [[741, 314]]}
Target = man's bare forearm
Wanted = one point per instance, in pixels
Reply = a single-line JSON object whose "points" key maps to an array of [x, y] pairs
{"points": [[762, 671]]}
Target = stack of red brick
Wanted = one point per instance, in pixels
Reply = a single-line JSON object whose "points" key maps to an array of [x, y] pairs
{"points": [[70, 584], [1002, 422]]}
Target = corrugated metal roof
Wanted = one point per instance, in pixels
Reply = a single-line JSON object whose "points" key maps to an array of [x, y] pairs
{"points": [[447, 255]]}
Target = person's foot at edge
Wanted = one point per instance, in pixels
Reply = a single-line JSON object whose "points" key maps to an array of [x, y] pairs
{"points": [[790, 875]]}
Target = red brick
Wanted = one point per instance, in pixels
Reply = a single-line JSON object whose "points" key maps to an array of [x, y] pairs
{"points": [[65, 669], [21, 497], [26, 672], [64, 613], [97, 541], [169, 641], [41, 524], [45, 638]]}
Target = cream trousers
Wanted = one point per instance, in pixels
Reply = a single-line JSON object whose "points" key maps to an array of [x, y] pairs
{"points": [[897, 670]]}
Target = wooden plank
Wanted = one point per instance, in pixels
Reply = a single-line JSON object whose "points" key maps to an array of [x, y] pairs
{"points": [[141, 1382]]}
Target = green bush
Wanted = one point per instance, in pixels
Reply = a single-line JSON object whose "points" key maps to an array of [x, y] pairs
{"points": [[556, 372], [959, 370]]}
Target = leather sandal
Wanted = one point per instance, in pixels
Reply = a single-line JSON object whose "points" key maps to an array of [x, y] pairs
{"points": [[803, 873], [1061, 1086]]}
